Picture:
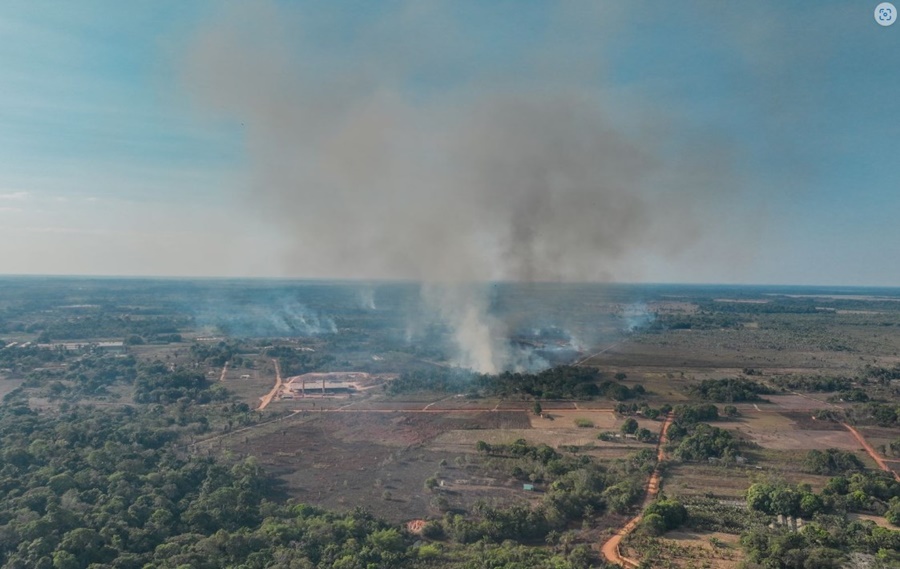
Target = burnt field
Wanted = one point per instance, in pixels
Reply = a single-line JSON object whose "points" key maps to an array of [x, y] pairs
{"points": [[788, 376], [377, 450], [375, 459]]}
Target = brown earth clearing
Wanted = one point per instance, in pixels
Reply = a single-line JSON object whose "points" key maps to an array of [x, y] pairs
{"points": [[688, 550], [377, 451]]}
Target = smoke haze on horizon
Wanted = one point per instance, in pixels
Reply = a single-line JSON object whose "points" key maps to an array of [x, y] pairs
{"points": [[450, 142], [130, 148], [366, 177]]}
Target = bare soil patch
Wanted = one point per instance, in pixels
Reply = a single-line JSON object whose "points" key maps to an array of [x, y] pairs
{"points": [[805, 440], [799, 402], [565, 419], [878, 520], [8, 385], [465, 440], [697, 479], [376, 460], [789, 431], [696, 549]]}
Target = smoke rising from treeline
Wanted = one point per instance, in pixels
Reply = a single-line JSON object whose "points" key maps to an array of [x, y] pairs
{"points": [[370, 176]]}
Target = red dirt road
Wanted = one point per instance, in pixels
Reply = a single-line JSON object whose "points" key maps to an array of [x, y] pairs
{"points": [[267, 398], [875, 456], [610, 549]]}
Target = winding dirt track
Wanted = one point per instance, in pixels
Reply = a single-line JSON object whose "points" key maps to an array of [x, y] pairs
{"points": [[267, 398], [875, 456], [224, 371], [610, 549]]}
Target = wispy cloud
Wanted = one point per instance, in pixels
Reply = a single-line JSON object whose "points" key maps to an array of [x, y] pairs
{"points": [[17, 196], [68, 231], [6, 209]]}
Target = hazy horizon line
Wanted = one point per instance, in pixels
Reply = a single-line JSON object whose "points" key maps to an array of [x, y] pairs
{"points": [[361, 280]]}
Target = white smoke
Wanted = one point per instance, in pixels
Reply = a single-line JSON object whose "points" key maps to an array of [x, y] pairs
{"points": [[478, 336], [368, 179], [366, 298], [636, 315]]}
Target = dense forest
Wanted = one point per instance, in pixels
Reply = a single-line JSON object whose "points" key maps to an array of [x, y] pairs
{"points": [[560, 382], [119, 487]]}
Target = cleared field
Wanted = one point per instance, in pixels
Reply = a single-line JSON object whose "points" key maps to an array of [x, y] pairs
{"points": [[788, 464], [879, 436], [565, 419], [779, 431], [465, 440], [682, 479], [798, 342], [809, 402], [805, 440], [688, 550], [8, 385], [877, 520], [380, 461]]}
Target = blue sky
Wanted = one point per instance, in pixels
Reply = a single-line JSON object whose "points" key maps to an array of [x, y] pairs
{"points": [[116, 158]]}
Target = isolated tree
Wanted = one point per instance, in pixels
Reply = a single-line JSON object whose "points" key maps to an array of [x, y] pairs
{"points": [[536, 408], [653, 524], [630, 426], [644, 435]]}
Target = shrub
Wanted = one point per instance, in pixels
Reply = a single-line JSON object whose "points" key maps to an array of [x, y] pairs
{"points": [[653, 524], [672, 512], [831, 462], [630, 426]]}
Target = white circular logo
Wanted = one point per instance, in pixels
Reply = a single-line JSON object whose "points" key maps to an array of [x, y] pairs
{"points": [[885, 14]]}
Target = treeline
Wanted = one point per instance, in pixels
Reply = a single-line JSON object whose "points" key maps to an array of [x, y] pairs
{"points": [[881, 414], [91, 375], [776, 306], [295, 361], [729, 390], [662, 515], [22, 359], [832, 461], [440, 380], [214, 354], [812, 383], [575, 489], [881, 374], [848, 388], [700, 441], [686, 415], [827, 538], [700, 321], [867, 491], [105, 488], [561, 382], [822, 544], [692, 439], [111, 326], [157, 383], [643, 409]]}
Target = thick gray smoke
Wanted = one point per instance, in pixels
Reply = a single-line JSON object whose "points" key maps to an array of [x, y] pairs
{"points": [[369, 178]]}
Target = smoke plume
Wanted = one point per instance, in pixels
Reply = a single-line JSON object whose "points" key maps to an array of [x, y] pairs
{"points": [[370, 176]]}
